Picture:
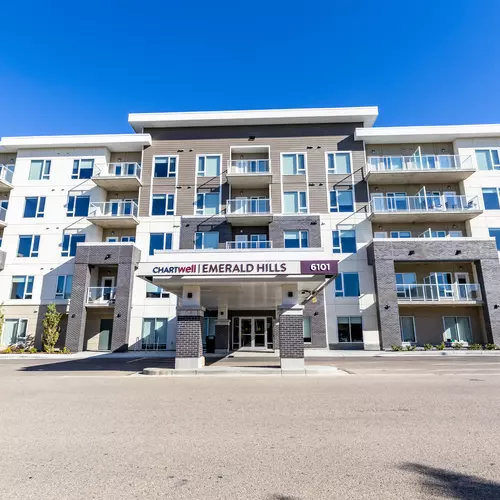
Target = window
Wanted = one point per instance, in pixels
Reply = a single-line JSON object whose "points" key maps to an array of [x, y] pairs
{"points": [[207, 203], [128, 239], [495, 233], [350, 329], [488, 159], [39, 170], [34, 206], [407, 325], [112, 239], [400, 234], [14, 331], [63, 288], [78, 206], [454, 234], [296, 239], [165, 166], [28, 246], [380, 234], [163, 204], [341, 201], [405, 285], [307, 329], [490, 198], [293, 164], [209, 239], [457, 329], [22, 287], [339, 163], [154, 333], [208, 166], [155, 292], [159, 241], [344, 241], [295, 202], [82, 169], [435, 234], [70, 241], [347, 285]]}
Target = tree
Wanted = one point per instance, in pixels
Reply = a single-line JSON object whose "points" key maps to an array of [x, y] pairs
{"points": [[51, 328]]}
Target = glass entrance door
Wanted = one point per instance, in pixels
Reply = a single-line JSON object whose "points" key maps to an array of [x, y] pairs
{"points": [[246, 332], [253, 332], [259, 327]]}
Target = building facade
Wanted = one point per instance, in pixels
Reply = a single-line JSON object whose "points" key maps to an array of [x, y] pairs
{"points": [[275, 230]]}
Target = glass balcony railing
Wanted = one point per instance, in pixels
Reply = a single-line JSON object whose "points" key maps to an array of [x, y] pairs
{"points": [[114, 209], [3, 214], [124, 169], [101, 295], [248, 167], [248, 206], [427, 203], [419, 163], [245, 245], [437, 292], [6, 174]]}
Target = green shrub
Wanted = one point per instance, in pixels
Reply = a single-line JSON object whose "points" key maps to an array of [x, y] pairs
{"points": [[457, 345], [427, 347], [491, 347], [395, 347], [8, 350], [32, 350], [411, 348], [51, 328], [475, 347], [440, 347], [64, 350]]}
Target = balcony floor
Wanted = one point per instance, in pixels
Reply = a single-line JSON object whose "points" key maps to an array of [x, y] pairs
{"points": [[439, 303], [109, 221], [418, 176], [416, 217], [249, 180], [242, 219], [117, 183]]}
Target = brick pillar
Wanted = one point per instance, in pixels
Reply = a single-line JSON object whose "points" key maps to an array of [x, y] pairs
{"points": [[291, 337], [222, 333], [75, 332], [189, 347]]}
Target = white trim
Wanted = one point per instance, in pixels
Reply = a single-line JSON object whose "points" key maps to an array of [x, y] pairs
{"points": [[284, 153], [444, 326], [198, 156], [334, 153], [414, 330], [168, 166], [112, 278]]}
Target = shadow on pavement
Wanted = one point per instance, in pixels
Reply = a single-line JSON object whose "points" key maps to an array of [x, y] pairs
{"points": [[449, 484]]}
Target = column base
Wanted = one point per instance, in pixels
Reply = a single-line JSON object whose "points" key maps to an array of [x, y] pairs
{"points": [[189, 363], [292, 364]]}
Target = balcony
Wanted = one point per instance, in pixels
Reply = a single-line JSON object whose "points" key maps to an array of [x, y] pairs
{"points": [[6, 175], [118, 176], [114, 214], [418, 169], [439, 294], [100, 296], [248, 173], [249, 211], [3, 215], [248, 245], [428, 208]]}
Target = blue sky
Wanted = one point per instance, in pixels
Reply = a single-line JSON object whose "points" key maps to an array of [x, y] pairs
{"points": [[81, 67]]}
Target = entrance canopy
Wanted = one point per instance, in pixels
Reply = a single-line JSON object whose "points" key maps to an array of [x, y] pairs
{"points": [[242, 279]]}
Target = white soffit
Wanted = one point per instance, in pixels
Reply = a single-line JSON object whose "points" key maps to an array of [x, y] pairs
{"points": [[366, 115], [113, 142], [439, 133]]}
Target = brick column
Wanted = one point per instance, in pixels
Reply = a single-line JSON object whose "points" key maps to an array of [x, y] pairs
{"points": [[189, 347], [291, 337], [222, 331]]}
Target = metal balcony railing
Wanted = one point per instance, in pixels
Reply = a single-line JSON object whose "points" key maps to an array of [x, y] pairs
{"points": [[427, 203], [248, 206], [243, 245], [114, 209], [437, 292], [419, 163], [101, 295], [248, 166], [123, 169]]}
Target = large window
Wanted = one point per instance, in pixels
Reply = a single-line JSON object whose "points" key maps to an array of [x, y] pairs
{"points": [[63, 288], [70, 241], [495, 233], [407, 325], [208, 166], [491, 199], [295, 202], [34, 206], [296, 239], [28, 245], [339, 163], [39, 170], [128, 239], [162, 204], [207, 203], [14, 331], [155, 292], [165, 166], [457, 329], [154, 333], [22, 287], [347, 285], [350, 328], [209, 239], [344, 241], [488, 159], [341, 201], [78, 206], [159, 241], [401, 234], [307, 329], [82, 169], [293, 164]]}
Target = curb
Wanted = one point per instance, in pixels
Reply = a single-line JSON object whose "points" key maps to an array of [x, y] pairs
{"points": [[242, 371]]}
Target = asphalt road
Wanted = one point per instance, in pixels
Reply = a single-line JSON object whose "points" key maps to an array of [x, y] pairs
{"points": [[103, 432]]}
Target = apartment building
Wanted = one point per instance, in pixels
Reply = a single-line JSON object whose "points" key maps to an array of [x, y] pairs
{"points": [[270, 230]]}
